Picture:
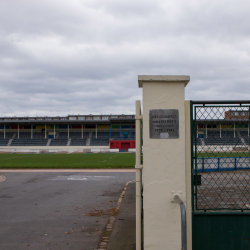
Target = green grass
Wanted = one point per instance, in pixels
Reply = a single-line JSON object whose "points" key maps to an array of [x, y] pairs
{"points": [[94, 160], [223, 154]]}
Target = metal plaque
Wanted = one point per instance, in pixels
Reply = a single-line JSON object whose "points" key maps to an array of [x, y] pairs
{"points": [[164, 123]]}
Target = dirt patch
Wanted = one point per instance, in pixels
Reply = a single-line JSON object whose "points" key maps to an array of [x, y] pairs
{"points": [[100, 213]]}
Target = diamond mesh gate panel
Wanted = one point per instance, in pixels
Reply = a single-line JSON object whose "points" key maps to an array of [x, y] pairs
{"points": [[221, 167]]}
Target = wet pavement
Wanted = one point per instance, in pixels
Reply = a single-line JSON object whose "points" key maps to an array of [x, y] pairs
{"points": [[66, 210]]}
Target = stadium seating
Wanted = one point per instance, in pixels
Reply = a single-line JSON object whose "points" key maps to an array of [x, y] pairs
{"points": [[58, 142], [62, 138], [27, 135], [245, 136], [217, 138], [39, 135], [8, 135], [29, 142], [116, 136], [62, 135], [99, 142], [78, 142], [102, 134], [4, 142]]}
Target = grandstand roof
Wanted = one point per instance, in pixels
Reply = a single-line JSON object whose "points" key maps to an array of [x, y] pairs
{"points": [[76, 119]]}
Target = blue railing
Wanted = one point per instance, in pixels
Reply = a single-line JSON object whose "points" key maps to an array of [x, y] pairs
{"points": [[208, 164]]}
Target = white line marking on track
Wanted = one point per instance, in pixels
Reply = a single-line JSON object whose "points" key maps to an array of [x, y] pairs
{"points": [[2, 178], [80, 178]]}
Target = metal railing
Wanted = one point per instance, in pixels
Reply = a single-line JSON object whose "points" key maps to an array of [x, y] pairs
{"points": [[178, 200]]}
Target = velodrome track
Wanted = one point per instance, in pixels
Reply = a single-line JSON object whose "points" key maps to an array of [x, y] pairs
{"points": [[57, 209], [224, 190]]}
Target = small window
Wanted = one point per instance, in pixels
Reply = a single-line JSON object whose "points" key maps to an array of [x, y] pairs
{"points": [[81, 117]]}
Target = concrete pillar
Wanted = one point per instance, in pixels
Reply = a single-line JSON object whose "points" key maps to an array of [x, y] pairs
{"points": [[18, 131], [68, 131], [95, 130], [163, 163], [82, 131], [4, 134], [31, 132], [45, 132], [54, 131]]}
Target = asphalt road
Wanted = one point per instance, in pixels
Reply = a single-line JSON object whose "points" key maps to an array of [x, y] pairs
{"points": [[50, 211]]}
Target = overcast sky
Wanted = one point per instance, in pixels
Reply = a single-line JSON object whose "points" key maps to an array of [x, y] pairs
{"points": [[83, 56]]}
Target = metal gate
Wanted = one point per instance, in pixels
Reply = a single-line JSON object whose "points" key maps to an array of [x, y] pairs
{"points": [[220, 175]]}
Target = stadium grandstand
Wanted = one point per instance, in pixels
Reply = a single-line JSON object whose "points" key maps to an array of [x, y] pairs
{"points": [[112, 131], [231, 130]]}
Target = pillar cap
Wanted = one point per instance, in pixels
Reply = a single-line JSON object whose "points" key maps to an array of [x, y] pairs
{"points": [[162, 78]]}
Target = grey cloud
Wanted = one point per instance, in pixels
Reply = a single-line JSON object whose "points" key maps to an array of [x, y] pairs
{"points": [[84, 56]]}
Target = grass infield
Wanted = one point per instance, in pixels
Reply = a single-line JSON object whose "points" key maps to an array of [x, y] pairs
{"points": [[94, 160], [222, 154]]}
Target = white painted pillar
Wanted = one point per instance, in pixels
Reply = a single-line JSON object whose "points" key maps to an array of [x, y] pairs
{"points": [[95, 130], [4, 134], [45, 133], [68, 131], [18, 131], [82, 130], [163, 164]]}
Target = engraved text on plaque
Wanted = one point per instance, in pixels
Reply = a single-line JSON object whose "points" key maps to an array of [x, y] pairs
{"points": [[164, 123]]}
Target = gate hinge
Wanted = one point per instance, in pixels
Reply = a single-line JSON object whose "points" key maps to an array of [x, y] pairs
{"points": [[139, 117], [138, 166]]}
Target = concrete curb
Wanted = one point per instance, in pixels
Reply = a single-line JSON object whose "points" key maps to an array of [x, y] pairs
{"points": [[110, 225], [2, 178]]}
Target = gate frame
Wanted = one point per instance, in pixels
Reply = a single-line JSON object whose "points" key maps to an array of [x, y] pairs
{"points": [[192, 157]]}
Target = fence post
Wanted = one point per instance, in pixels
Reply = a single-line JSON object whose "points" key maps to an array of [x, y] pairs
{"points": [[138, 168], [163, 159]]}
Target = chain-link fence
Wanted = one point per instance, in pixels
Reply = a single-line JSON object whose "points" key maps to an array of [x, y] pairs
{"points": [[221, 167]]}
